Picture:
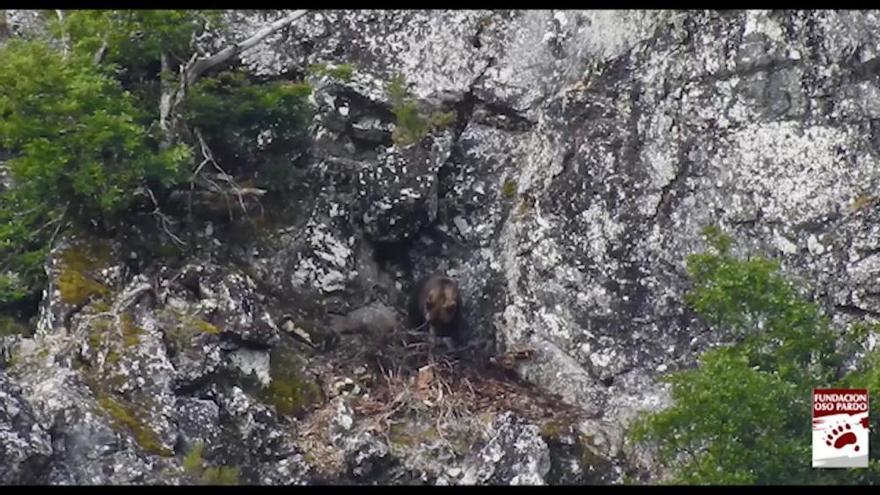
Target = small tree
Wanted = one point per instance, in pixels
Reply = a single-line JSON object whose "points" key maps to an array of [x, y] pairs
{"points": [[99, 118], [743, 416]]}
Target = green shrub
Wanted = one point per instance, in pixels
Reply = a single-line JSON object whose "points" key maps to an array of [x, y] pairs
{"points": [[343, 72], [12, 326], [410, 126], [508, 189], [80, 149], [743, 416], [193, 465], [84, 137], [233, 111]]}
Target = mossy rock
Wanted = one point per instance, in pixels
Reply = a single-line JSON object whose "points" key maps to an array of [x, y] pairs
{"points": [[182, 329], [131, 334], [408, 435], [205, 327], [291, 394], [125, 418], [555, 429], [103, 335], [526, 205], [508, 189], [79, 264], [290, 391], [194, 466], [12, 326]]}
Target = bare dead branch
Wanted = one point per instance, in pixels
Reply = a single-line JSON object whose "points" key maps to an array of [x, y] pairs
{"points": [[165, 99], [99, 55], [203, 64], [65, 38], [208, 157], [190, 72], [239, 191], [164, 220], [60, 224], [4, 26]]}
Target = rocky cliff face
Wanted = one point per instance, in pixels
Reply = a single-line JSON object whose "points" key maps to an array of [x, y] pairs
{"points": [[587, 152]]}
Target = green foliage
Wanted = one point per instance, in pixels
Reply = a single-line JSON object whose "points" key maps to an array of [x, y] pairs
{"points": [[133, 33], [778, 330], [80, 149], [508, 189], [222, 475], [410, 126], [232, 109], [11, 326], [84, 137], [193, 465], [125, 417], [11, 288], [743, 415], [76, 136], [440, 120], [342, 72]]}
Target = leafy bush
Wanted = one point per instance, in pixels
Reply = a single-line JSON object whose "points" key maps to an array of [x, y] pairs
{"points": [[232, 109], [343, 72], [80, 148], [82, 131], [743, 416]]}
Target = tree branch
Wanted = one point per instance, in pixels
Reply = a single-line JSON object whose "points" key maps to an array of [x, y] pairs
{"points": [[99, 55], [203, 64], [171, 98], [4, 26], [65, 38]]}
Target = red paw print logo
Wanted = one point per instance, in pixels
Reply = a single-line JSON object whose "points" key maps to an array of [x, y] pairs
{"points": [[840, 437]]}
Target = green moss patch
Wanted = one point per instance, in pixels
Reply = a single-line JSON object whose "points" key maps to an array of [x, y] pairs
{"points": [[205, 327], [342, 72], [410, 125], [12, 326], [289, 391], [194, 466], [124, 417], [77, 282], [131, 334], [182, 329], [508, 189]]}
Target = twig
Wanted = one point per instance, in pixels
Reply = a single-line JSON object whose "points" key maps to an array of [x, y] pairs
{"points": [[198, 67], [164, 221], [65, 37], [209, 158], [190, 72], [99, 55], [60, 224]]}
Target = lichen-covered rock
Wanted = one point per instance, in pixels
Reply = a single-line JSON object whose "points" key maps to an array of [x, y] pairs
{"points": [[365, 456], [516, 455], [198, 421], [25, 447], [399, 193], [232, 299], [293, 470]]}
